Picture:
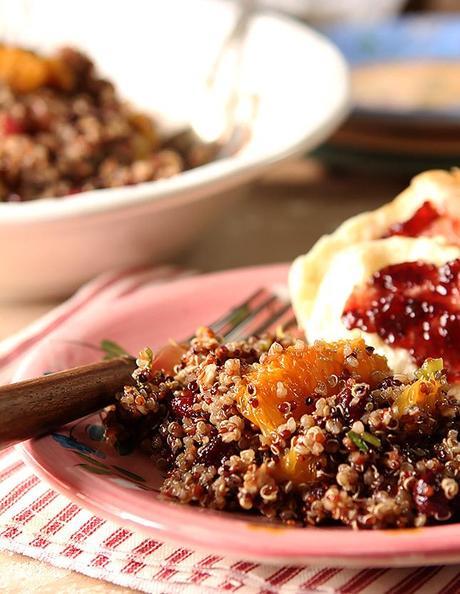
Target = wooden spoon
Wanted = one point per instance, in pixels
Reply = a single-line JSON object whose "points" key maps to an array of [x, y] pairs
{"points": [[36, 406]]}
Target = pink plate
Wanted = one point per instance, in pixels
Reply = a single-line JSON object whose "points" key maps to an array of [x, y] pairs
{"points": [[122, 486]]}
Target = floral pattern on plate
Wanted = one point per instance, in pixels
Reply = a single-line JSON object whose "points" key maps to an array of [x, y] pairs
{"points": [[86, 440]]}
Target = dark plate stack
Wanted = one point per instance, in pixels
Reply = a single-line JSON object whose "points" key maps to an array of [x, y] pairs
{"points": [[388, 130]]}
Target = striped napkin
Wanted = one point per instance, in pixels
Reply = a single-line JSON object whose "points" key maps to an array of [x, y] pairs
{"points": [[38, 522]]}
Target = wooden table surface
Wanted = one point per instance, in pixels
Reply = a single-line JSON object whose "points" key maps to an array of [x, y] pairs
{"points": [[282, 217]]}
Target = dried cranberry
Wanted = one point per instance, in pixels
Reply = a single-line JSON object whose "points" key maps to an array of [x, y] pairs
{"points": [[214, 452], [181, 405], [429, 499], [222, 353], [11, 125], [352, 405]]}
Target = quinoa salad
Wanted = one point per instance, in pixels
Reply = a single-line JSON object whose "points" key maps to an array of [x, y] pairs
{"points": [[320, 434], [64, 129]]}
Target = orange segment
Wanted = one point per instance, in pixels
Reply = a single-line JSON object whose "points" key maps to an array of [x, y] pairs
{"points": [[296, 468], [22, 70], [291, 375], [425, 393]]}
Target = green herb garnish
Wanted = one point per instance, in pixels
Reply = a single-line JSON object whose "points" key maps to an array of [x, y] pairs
{"points": [[372, 439], [358, 441], [112, 350]]}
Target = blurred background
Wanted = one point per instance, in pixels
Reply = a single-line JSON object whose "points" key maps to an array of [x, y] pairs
{"points": [[403, 117], [404, 58]]}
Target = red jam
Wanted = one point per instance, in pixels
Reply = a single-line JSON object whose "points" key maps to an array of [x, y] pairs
{"points": [[415, 306], [422, 219], [428, 221]]}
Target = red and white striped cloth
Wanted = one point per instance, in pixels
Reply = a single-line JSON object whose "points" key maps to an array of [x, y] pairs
{"points": [[38, 522]]}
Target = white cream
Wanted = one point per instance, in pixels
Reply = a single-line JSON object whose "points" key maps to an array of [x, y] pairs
{"points": [[321, 318], [441, 188]]}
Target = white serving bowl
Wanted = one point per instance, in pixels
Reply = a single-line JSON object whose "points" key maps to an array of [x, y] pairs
{"points": [[158, 54]]}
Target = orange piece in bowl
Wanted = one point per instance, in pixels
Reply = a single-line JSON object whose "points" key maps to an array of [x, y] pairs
{"points": [[22, 70]]}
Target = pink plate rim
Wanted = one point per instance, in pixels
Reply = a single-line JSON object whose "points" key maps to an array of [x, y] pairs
{"points": [[195, 528]]}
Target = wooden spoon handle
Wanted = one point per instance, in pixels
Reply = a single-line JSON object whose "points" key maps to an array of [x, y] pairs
{"points": [[36, 406]]}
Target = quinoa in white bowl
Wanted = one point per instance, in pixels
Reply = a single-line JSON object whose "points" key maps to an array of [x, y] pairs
{"points": [[160, 66]]}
